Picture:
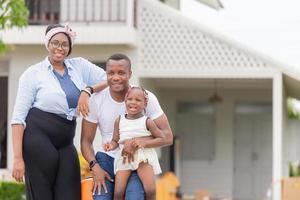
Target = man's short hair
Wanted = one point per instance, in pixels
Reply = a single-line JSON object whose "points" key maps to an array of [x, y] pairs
{"points": [[119, 56]]}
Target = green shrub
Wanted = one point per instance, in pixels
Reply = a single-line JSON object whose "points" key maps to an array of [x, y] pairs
{"points": [[292, 111], [12, 191]]}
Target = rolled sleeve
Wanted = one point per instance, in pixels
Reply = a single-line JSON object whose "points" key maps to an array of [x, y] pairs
{"points": [[25, 98], [153, 109]]}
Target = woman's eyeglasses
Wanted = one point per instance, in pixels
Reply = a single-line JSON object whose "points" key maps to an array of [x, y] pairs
{"points": [[64, 45]]}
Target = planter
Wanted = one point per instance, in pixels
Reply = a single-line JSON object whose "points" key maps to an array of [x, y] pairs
{"points": [[291, 188]]}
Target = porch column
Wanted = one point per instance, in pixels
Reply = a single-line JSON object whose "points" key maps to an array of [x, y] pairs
{"points": [[277, 135]]}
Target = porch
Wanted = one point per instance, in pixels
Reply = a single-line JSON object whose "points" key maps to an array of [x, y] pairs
{"points": [[99, 22], [225, 134], [223, 130], [44, 12]]}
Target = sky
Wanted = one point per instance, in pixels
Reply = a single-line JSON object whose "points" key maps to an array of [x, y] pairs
{"points": [[270, 26]]}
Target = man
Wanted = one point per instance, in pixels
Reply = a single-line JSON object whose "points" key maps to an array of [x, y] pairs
{"points": [[105, 107]]}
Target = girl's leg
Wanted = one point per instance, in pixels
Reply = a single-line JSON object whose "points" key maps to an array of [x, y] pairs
{"points": [[134, 189], [121, 180], [146, 174]]}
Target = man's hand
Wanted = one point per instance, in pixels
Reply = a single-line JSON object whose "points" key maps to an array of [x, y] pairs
{"points": [[99, 176], [83, 104], [18, 169], [138, 143], [128, 151]]}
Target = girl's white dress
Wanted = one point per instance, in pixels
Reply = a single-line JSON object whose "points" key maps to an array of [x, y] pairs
{"points": [[133, 128]]}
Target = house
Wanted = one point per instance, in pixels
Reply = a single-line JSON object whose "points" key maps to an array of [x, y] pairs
{"points": [[225, 101]]}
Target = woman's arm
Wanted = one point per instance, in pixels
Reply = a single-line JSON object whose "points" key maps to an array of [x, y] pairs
{"points": [[18, 165], [99, 87], [83, 101], [25, 97], [94, 78]]}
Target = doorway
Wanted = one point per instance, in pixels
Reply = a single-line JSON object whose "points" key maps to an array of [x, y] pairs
{"points": [[252, 151], [195, 128], [3, 121]]}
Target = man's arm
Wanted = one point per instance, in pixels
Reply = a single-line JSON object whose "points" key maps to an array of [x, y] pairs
{"points": [[162, 123], [156, 133], [88, 133]]}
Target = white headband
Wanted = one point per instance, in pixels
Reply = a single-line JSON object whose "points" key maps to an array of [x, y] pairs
{"points": [[66, 29]]}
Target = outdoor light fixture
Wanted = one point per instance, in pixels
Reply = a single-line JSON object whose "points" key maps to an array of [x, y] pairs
{"points": [[215, 98]]}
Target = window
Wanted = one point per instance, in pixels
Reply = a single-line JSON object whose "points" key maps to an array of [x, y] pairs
{"points": [[100, 64], [195, 125]]}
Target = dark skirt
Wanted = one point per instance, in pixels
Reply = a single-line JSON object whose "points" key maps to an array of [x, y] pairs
{"points": [[52, 169]]}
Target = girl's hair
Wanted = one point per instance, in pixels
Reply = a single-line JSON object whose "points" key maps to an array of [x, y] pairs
{"points": [[51, 26], [139, 88]]}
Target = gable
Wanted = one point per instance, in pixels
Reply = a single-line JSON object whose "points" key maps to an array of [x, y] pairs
{"points": [[171, 44]]}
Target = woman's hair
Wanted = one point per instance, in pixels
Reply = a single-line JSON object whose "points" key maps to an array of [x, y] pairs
{"points": [[51, 26]]}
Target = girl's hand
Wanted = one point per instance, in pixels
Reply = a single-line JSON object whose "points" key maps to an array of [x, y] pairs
{"points": [[83, 104], [108, 147], [18, 169]]}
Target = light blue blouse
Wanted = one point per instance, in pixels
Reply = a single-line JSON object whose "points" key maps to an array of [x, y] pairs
{"points": [[40, 88], [68, 86]]}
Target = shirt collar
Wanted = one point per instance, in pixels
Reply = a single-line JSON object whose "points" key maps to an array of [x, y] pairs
{"points": [[49, 65]]}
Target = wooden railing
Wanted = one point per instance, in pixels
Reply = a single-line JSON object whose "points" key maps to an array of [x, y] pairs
{"points": [[80, 11]]}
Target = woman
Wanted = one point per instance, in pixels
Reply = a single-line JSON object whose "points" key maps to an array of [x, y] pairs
{"points": [[44, 118]]}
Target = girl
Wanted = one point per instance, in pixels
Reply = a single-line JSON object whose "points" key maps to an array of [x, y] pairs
{"points": [[129, 126]]}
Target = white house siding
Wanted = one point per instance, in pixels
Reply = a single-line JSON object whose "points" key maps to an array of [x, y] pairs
{"points": [[107, 34]]}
